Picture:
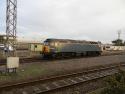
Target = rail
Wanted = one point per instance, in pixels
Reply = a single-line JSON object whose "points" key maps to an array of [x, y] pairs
{"points": [[45, 85]]}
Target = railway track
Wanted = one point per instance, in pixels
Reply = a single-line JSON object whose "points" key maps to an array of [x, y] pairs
{"points": [[53, 84], [31, 60]]}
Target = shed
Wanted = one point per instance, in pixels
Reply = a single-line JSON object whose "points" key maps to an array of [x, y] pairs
{"points": [[36, 47]]}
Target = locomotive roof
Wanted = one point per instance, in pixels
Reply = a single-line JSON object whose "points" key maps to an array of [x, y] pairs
{"points": [[70, 41]]}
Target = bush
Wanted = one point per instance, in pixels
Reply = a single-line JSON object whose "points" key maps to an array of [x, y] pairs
{"points": [[115, 84]]}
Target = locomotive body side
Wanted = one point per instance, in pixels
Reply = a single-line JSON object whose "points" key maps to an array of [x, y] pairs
{"points": [[70, 47]]}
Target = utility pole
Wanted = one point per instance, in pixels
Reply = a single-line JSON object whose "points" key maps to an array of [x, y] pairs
{"points": [[11, 23]]}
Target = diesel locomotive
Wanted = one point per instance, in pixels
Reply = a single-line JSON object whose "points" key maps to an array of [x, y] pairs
{"points": [[67, 47]]}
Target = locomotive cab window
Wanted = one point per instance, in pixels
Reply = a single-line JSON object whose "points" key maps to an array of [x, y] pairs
{"points": [[46, 43], [35, 46], [107, 46]]}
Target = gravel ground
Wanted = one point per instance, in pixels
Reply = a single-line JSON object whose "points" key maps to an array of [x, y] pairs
{"points": [[40, 69]]}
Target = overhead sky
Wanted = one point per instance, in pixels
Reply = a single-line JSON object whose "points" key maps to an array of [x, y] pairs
{"points": [[72, 19]]}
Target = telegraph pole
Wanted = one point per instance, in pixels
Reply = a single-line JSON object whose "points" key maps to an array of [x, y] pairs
{"points": [[11, 23]]}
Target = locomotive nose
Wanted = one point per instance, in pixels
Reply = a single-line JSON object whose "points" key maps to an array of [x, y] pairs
{"points": [[46, 49]]}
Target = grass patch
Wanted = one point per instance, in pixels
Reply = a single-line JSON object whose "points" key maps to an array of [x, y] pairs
{"points": [[23, 73]]}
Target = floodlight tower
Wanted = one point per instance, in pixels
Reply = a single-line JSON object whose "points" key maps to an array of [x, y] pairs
{"points": [[119, 34], [11, 22]]}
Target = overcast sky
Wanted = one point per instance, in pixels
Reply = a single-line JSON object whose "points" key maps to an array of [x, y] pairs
{"points": [[72, 19]]}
